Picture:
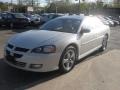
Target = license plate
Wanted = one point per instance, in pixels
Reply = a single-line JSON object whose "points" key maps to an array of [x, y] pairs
{"points": [[10, 58]]}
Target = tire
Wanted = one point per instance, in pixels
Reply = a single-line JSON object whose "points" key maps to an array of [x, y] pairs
{"points": [[67, 60], [104, 43], [11, 25]]}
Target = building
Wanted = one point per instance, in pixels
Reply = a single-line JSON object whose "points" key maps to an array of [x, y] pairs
{"points": [[116, 1]]}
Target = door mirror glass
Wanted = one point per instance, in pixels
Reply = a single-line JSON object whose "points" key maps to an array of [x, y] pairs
{"points": [[85, 30]]}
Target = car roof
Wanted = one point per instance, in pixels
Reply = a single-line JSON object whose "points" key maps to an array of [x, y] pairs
{"points": [[79, 17]]}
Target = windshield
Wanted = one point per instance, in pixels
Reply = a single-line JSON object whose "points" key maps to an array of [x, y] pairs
{"points": [[19, 15], [62, 25]]}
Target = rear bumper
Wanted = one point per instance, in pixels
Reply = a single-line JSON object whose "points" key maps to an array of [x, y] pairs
{"points": [[21, 24]]}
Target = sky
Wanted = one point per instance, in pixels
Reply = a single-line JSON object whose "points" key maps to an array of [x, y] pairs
{"points": [[8, 1], [43, 1]]}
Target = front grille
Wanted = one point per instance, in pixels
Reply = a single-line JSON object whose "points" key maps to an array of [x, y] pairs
{"points": [[14, 54], [14, 49], [17, 55], [21, 49], [12, 60], [10, 46], [17, 48]]}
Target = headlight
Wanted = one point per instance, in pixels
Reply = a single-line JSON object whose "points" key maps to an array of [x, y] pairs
{"points": [[45, 49]]}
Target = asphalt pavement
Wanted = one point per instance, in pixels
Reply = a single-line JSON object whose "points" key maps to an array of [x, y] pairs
{"points": [[98, 71]]}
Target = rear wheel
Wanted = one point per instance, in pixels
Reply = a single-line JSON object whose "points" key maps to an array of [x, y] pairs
{"points": [[104, 43], [68, 59]]}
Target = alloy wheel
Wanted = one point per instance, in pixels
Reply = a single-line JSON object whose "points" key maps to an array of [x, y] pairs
{"points": [[69, 59]]}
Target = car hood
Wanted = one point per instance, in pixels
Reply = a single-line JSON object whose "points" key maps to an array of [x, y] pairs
{"points": [[36, 38]]}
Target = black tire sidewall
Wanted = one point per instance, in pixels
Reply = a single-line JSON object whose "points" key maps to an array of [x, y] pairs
{"points": [[11, 25], [103, 48]]}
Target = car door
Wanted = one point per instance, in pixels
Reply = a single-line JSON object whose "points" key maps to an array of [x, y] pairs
{"points": [[10, 18], [4, 18], [7, 18], [88, 40], [100, 28], [0, 19]]}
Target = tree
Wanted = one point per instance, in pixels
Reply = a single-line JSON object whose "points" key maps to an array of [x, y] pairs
{"points": [[3, 6], [28, 2]]}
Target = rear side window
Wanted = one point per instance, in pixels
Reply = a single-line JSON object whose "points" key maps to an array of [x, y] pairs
{"points": [[97, 22], [92, 23], [87, 24]]}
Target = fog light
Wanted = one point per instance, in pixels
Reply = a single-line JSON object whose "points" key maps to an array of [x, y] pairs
{"points": [[36, 66]]}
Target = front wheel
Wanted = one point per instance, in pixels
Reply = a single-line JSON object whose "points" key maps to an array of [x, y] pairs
{"points": [[68, 59]]}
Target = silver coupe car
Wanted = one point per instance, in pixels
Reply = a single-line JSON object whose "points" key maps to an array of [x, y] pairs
{"points": [[58, 44]]}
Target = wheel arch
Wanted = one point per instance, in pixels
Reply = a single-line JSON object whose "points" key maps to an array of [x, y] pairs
{"points": [[74, 45], [107, 35], [64, 50]]}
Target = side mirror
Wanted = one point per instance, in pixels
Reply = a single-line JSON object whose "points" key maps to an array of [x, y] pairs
{"points": [[85, 30]]}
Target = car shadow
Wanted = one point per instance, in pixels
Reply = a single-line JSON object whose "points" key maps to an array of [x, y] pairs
{"points": [[12, 78]]}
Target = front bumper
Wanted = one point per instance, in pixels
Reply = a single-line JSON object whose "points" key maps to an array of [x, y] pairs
{"points": [[48, 62]]}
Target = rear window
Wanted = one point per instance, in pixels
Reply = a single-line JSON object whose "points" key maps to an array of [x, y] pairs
{"points": [[19, 15]]}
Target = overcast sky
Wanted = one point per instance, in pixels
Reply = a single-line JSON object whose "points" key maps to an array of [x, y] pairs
{"points": [[44, 0], [8, 0]]}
